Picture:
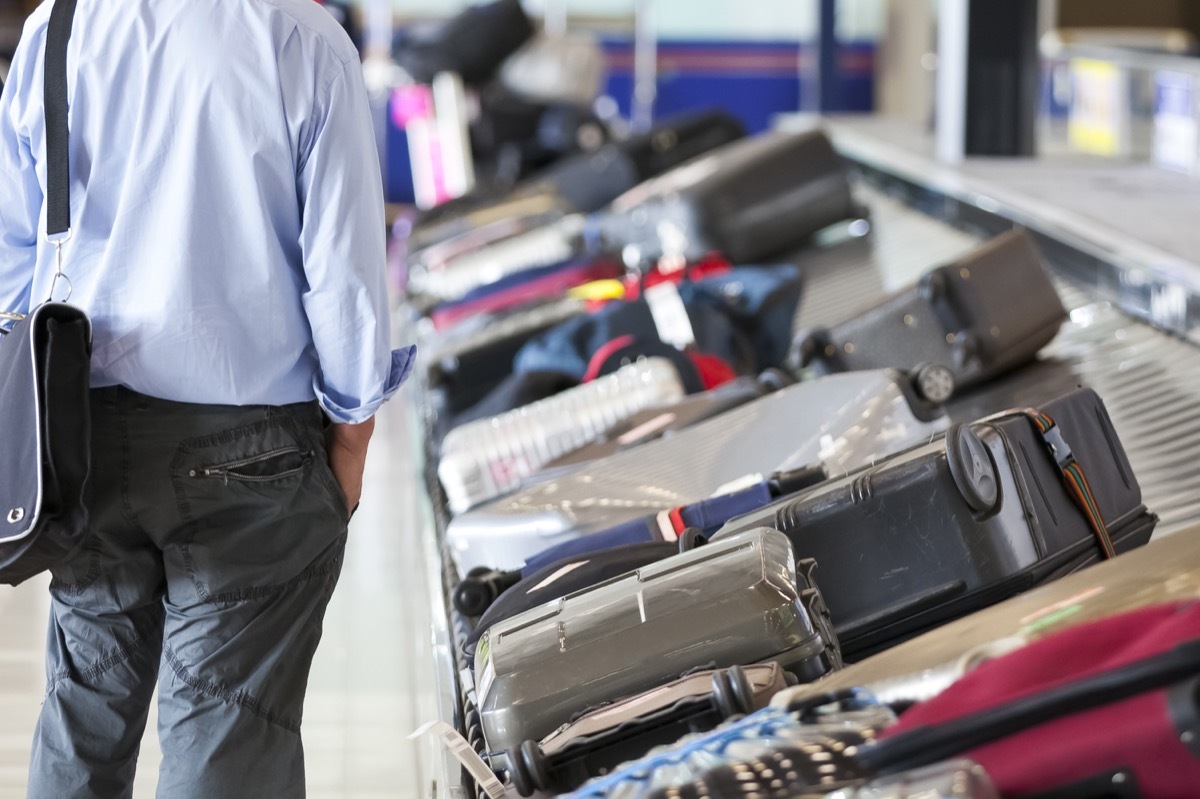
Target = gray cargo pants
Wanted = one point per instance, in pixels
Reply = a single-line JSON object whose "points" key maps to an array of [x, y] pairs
{"points": [[217, 539]]}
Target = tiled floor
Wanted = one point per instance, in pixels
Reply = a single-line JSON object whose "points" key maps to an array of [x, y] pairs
{"points": [[372, 682]]}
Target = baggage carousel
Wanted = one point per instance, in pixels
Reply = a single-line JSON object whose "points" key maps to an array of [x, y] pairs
{"points": [[1131, 315]]}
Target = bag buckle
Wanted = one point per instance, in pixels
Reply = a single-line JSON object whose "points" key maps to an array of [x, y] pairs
{"points": [[58, 240], [15, 515], [1060, 450]]}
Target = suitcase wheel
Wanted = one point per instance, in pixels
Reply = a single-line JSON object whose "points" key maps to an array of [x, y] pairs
{"points": [[972, 468], [527, 769], [809, 346], [931, 286], [473, 596], [690, 538], [732, 693], [933, 382], [774, 379]]}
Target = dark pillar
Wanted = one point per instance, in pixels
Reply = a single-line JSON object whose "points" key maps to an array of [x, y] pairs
{"points": [[829, 84], [1002, 77]]}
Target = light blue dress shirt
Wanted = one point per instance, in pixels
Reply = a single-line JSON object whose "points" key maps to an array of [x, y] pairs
{"points": [[227, 210]]}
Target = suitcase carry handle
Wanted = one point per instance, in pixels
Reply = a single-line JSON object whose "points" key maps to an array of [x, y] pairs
{"points": [[789, 482]]}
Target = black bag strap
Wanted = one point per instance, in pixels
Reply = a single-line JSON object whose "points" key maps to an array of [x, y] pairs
{"points": [[58, 167]]}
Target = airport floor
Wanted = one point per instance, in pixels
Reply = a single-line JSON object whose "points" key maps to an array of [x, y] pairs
{"points": [[372, 681]]}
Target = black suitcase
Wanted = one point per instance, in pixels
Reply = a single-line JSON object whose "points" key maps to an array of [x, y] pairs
{"points": [[465, 368], [513, 137], [961, 324], [963, 522], [750, 200], [586, 182], [473, 43], [678, 139]]}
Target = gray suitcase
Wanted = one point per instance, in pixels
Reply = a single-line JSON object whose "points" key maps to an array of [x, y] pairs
{"points": [[750, 200], [841, 421], [739, 602], [964, 522], [961, 324], [610, 735]]}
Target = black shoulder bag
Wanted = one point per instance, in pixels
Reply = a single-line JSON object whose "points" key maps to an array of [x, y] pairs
{"points": [[45, 362]]}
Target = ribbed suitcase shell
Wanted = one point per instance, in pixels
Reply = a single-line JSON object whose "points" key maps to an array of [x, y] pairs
{"points": [[485, 458], [533, 672]]}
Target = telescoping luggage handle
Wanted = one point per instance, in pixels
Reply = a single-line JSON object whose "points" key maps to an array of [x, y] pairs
{"points": [[1072, 474]]}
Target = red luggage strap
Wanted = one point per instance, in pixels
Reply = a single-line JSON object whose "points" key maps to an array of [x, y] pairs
{"points": [[670, 523], [1076, 482]]}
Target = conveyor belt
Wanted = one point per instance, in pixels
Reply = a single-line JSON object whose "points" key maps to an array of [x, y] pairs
{"points": [[1149, 380]]}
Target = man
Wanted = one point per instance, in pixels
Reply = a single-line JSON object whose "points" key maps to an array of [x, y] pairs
{"points": [[228, 244]]}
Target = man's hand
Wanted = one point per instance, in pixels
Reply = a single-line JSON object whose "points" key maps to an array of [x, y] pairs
{"points": [[347, 448]]}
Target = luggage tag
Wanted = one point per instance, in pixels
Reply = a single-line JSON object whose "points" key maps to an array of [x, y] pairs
{"points": [[464, 754], [466, 680], [646, 428], [670, 315]]}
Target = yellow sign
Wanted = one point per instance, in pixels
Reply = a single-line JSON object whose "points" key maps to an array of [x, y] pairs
{"points": [[1099, 108]]}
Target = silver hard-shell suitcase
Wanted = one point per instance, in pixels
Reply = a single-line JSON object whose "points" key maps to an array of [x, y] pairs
{"points": [[739, 602], [841, 421]]}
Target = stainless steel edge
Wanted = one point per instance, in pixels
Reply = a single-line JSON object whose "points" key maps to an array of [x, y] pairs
{"points": [[448, 780], [1142, 280]]}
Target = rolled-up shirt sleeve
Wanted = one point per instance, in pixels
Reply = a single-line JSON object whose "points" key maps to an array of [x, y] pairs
{"points": [[20, 200], [344, 250]]}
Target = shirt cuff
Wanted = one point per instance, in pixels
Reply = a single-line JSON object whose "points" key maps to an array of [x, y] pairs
{"points": [[342, 412]]}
